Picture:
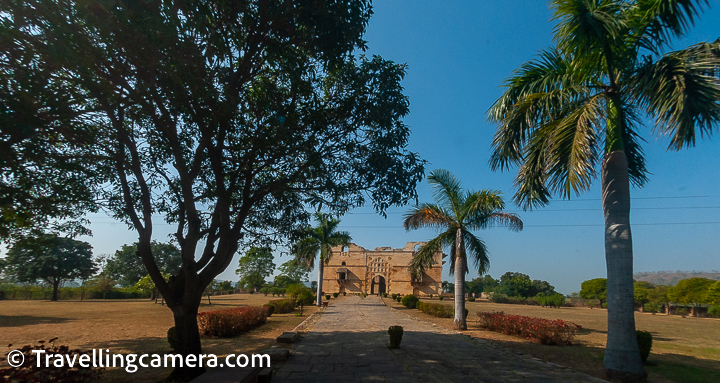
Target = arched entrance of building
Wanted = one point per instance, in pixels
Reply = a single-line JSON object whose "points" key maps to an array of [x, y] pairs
{"points": [[378, 285]]}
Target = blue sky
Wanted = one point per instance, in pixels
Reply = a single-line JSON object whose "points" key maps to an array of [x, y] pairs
{"points": [[458, 53]]}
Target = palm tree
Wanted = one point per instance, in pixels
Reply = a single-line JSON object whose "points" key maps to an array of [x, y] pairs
{"points": [[579, 104], [456, 214], [319, 241]]}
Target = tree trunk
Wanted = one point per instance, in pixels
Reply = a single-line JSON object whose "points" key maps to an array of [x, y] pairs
{"points": [[56, 287], [622, 355], [188, 339], [319, 287], [460, 323]]}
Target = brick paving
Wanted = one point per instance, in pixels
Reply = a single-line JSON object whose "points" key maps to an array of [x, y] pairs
{"points": [[350, 343]]}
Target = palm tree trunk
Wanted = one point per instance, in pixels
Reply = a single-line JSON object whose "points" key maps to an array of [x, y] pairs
{"points": [[460, 323], [319, 284], [622, 355]]}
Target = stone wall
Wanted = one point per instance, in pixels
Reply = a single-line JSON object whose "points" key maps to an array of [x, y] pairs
{"points": [[354, 269]]}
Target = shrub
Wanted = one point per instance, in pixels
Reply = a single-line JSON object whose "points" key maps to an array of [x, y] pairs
{"points": [[590, 304], [394, 296], [396, 333], [282, 306], [230, 322], [269, 308], [714, 311], [431, 296], [266, 290], [683, 312], [471, 299], [603, 305], [398, 299], [344, 293], [30, 372], [172, 337], [335, 295], [466, 313], [499, 298], [305, 297], [384, 295], [644, 339], [409, 301], [554, 300], [441, 297], [543, 331], [651, 308], [435, 309]]}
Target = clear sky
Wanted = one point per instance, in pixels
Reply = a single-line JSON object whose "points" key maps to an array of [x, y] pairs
{"points": [[458, 53]]}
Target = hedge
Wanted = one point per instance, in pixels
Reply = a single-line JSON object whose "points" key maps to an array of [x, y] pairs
{"points": [[543, 331], [229, 322]]}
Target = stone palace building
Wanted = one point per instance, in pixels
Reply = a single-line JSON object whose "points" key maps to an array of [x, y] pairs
{"points": [[354, 269]]}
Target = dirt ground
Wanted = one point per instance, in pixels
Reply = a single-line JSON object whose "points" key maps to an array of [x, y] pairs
{"points": [[684, 349], [129, 326]]}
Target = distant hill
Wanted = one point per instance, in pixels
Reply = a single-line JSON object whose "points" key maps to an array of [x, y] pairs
{"points": [[671, 278]]}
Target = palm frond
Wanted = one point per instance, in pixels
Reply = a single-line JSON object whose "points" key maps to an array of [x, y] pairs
{"points": [[660, 20], [530, 180], [585, 27], [481, 203], [681, 90], [477, 252], [306, 250], [633, 151], [574, 149], [423, 259], [496, 219], [427, 215], [523, 104], [446, 189]]}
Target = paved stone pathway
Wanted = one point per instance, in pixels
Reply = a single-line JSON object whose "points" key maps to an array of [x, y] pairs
{"points": [[350, 343]]}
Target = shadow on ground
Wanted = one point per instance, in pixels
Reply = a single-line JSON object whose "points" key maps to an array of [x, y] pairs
{"points": [[28, 320]]}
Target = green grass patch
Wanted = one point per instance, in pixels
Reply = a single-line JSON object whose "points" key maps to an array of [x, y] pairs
{"points": [[683, 373]]}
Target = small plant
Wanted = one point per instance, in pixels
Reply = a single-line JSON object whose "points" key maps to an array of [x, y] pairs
{"points": [[651, 308], [604, 305], [466, 313], [384, 295], [298, 314], [409, 301], [394, 296], [441, 297], [590, 304], [172, 337], [335, 295], [644, 339], [396, 333], [344, 293], [327, 297], [431, 296], [471, 299], [398, 299]]}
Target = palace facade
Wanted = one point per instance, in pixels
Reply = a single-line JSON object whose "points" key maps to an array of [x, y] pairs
{"points": [[354, 269]]}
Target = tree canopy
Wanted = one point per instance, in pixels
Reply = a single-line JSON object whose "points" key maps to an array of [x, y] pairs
{"points": [[50, 258], [690, 291], [594, 289], [127, 268], [291, 272], [256, 265]]}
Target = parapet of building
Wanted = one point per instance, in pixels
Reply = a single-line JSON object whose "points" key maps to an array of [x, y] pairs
{"points": [[354, 269]]}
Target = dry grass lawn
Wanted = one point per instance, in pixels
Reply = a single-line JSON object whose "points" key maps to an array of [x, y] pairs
{"points": [[684, 349], [129, 326]]}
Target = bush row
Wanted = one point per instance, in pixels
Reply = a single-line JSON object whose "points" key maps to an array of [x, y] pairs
{"points": [[229, 322], [436, 309], [281, 306], [543, 331]]}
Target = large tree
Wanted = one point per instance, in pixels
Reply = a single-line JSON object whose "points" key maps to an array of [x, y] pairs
{"points": [[228, 118], [580, 104], [316, 243], [291, 272], [456, 214], [127, 268], [50, 258], [256, 265]]}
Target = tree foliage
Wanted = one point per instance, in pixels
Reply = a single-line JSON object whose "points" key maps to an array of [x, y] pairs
{"points": [[690, 291], [50, 258], [713, 294], [594, 289], [226, 118], [127, 267], [291, 272], [455, 215], [256, 265]]}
